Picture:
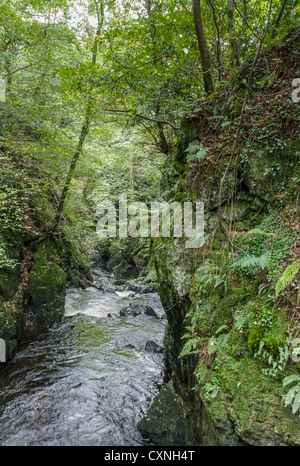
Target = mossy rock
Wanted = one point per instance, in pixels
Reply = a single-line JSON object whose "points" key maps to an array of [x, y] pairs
{"points": [[11, 325], [43, 212], [76, 264], [115, 254], [8, 327], [170, 421], [125, 271], [266, 326], [264, 171], [10, 246], [253, 405], [141, 259], [46, 287]]}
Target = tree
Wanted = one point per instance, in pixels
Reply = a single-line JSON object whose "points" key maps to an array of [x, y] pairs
{"points": [[87, 119], [235, 54], [203, 47]]}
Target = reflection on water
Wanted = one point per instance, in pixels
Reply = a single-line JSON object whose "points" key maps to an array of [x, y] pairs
{"points": [[87, 382]]}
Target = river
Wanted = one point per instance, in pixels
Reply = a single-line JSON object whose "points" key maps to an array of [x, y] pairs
{"points": [[89, 380]]}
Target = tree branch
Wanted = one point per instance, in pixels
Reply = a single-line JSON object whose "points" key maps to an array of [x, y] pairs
{"points": [[143, 117], [18, 69]]}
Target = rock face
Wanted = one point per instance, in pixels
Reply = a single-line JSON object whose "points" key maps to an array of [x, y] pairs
{"points": [[33, 283], [226, 330], [46, 288], [169, 422]]}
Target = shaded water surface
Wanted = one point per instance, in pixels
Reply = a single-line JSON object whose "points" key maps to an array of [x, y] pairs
{"points": [[87, 382]]}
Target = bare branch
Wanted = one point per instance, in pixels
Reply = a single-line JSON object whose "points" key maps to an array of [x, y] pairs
{"points": [[19, 69], [246, 22], [34, 43], [143, 117]]}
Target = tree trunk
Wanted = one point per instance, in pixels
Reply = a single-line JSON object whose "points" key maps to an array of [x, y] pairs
{"points": [[203, 47], [85, 127], [163, 144], [279, 17], [235, 52]]}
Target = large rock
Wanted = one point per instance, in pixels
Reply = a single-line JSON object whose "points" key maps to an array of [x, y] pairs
{"points": [[170, 421], [134, 310], [46, 288]]}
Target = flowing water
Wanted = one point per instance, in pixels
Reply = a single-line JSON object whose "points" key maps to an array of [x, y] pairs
{"points": [[88, 381]]}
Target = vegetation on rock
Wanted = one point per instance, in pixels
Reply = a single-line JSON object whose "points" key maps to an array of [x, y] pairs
{"points": [[175, 101]]}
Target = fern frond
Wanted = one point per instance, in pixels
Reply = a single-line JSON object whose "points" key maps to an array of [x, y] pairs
{"points": [[291, 395], [296, 402], [253, 261], [287, 276], [189, 347], [220, 329], [290, 379], [258, 231]]}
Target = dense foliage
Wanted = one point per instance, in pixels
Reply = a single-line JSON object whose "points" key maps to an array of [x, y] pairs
{"points": [[96, 92]]}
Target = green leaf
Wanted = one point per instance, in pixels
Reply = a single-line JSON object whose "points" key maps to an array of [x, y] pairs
{"points": [[296, 402], [223, 327], [290, 396], [198, 155], [290, 379], [287, 276]]}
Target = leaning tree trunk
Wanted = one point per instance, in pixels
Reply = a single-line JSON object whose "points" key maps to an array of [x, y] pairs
{"points": [[85, 127], [234, 42], [203, 47], [279, 17]]}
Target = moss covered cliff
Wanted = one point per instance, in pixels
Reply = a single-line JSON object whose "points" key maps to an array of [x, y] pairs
{"points": [[232, 330], [36, 265]]}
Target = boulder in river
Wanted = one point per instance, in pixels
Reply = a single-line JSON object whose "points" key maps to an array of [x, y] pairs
{"points": [[105, 285], [134, 310], [153, 347], [140, 288]]}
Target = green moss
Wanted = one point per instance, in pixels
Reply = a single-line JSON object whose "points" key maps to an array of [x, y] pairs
{"points": [[10, 245], [46, 287], [170, 420], [7, 324], [43, 212], [76, 263], [267, 327], [248, 403]]}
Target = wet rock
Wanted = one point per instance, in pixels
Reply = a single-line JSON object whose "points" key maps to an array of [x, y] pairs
{"points": [[134, 310], [125, 294], [125, 271], [139, 288], [153, 347], [129, 346], [168, 420], [105, 285]]}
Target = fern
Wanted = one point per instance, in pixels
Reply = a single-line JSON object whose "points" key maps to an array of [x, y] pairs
{"points": [[189, 348], [287, 276], [258, 231], [296, 402], [220, 329], [241, 318], [198, 152], [290, 379], [253, 261], [293, 395]]}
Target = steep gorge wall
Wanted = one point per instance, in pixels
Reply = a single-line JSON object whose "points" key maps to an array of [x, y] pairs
{"points": [[35, 266], [229, 336]]}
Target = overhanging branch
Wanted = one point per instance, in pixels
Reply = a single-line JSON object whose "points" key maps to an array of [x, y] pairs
{"points": [[143, 117]]}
